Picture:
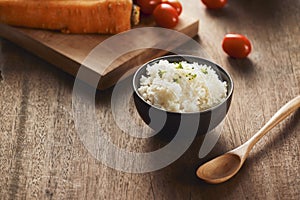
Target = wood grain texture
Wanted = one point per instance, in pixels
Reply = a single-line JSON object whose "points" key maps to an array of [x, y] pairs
{"points": [[42, 156], [69, 52]]}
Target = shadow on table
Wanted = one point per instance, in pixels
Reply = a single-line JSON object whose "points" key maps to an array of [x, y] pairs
{"points": [[182, 180], [243, 66], [288, 130], [181, 177], [256, 9]]}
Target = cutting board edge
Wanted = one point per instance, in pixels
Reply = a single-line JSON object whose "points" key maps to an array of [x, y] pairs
{"points": [[39, 49], [65, 63], [118, 73]]}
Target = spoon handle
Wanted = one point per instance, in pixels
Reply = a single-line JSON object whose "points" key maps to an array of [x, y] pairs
{"points": [[280, 115]]}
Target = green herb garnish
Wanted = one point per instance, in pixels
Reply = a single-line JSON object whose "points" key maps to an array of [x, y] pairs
{"points": [[204, 71], [191, 76], [161, 73], [179, 66], [177, 78]]}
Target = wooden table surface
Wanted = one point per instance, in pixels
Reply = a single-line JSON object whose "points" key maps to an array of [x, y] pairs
{"points": [[43, 157]]}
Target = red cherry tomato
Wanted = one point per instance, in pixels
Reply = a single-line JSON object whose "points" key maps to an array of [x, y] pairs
{"points": [[236, 45], [147, 6], [214, 4], [176, 4], [165, 15]]}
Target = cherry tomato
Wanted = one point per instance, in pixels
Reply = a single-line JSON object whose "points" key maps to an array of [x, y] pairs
{"points": [[214, 4], [147, 6], [165, 15], [236, 45], [176, 4]]}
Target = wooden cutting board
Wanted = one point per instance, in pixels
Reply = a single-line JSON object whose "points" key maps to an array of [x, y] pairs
{"points": [[68, 52]]}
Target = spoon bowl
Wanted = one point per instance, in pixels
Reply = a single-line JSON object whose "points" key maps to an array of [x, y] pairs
{"points": [[221, 168], [224, 167]]}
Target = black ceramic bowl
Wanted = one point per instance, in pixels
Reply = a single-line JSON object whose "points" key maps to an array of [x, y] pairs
{"points": [[170, 122]]}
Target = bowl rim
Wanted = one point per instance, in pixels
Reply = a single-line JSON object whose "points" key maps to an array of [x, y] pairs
{"points": [[229, 93]]}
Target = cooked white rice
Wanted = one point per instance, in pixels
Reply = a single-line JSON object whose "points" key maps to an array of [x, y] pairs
{"points": [[182, 87]]}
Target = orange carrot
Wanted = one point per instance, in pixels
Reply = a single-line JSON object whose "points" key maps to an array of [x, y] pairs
{"points": [[68, 16]]}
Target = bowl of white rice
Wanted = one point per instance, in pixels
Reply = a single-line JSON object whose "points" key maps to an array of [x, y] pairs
{"points": [[180, 89]]}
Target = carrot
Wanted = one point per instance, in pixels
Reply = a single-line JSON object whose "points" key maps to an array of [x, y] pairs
{"points": [[68, 16]]}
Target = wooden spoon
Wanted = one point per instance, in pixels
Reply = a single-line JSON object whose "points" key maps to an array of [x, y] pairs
{"points": [[227, 165]]}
